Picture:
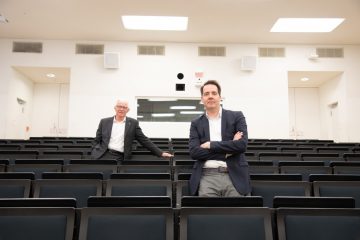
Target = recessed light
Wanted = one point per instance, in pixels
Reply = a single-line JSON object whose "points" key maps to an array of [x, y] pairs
{"points": [[306, 24], [163, 114], [182, 107], [51, 75], [191, 112], [168, 23], [305, 79]]}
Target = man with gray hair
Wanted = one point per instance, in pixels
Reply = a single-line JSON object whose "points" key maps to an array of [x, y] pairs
{"points": [[115, 135]]}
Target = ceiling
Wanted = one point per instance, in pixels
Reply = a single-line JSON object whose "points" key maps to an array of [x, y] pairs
{"points": [[210, 21]]}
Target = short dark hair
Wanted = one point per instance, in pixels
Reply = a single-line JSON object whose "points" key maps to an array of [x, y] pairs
{"points": [[212, 82]]}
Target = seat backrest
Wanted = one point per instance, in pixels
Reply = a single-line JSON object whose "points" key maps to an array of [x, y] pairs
{"points": [[269, 189], [338, 189], [225, 223], [105, 169], [126, 223], [80, 189], [37, 169], [18, 223], [133, 187], [316, 223], [305, 171], [15, 188]]}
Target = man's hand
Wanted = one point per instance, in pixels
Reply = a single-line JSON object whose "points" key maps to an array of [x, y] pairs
{"points": [[238, 135], [166, 155], [205, 145]]}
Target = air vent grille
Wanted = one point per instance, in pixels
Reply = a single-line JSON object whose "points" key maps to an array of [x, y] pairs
{"points": [[27, 47], [89, 49], [330, 52], [212, 51], [271, 52], [151, 50]]}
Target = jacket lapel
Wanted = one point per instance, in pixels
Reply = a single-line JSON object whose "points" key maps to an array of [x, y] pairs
{"points": [[223, 124], [206, 130]]}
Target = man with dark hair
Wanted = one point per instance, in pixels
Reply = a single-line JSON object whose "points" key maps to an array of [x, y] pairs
{"points": [[115, 135], [218, 141]]}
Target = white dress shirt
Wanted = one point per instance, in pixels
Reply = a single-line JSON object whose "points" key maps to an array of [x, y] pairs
{"points": [[117, 136]]}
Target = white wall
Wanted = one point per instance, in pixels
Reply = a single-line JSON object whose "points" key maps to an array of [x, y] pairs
{"points": [[262, 94], [19, 114], [50, 112]]}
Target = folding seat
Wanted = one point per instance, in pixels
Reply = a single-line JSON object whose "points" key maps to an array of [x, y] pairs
{"points": [[129, 201], [278, 156], [18, 154], [314, 202], [195, 201], [232, 223], [106, 167], [269, 189], [3, 164], [138, 187], [346, 170], [298, 150], [36, 166], [305, 171], [63, 154], [325, 157], [15, 188], [351, 157], [318, 223], [144, 169], [41, 147], [12, 147], [38, 202], [276, 177], [148, 176], [108, 223], [80, 189], [263, 169], [34, 223], [338, 189]]}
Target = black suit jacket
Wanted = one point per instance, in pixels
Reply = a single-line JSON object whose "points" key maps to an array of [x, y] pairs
{"points": [[132, 132], [231, 122]]}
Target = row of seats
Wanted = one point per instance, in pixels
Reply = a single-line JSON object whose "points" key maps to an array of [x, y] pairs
{"points": [[82, 185], [105, 220], [107, 167]]}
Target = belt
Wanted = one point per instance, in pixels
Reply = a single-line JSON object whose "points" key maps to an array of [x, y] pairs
{"points": [[115, 152], [217, 170]]}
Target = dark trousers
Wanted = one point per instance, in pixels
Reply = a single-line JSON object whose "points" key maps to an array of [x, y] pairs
{"points": [[113, 155]]}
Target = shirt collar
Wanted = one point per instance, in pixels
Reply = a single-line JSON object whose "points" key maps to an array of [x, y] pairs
{"points": [[114, 120], [218, 116]]}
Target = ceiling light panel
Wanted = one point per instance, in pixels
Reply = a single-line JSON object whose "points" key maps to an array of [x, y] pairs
{"points": [[306, 24]]}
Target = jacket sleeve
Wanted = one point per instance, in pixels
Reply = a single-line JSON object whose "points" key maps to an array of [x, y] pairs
{"points": [[98, 138], [233, 146], [198, 153]]}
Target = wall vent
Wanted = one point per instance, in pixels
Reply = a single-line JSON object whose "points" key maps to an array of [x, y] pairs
{"points": [[151, 50], [271, 52], [212, 51], [27, 47], [89, 49], [330, 52]]}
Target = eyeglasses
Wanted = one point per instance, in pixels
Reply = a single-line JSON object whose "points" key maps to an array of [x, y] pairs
{"points": [[121, 107]]}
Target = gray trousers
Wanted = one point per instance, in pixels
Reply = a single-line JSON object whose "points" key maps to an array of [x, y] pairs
{"points": [[217, 184]]}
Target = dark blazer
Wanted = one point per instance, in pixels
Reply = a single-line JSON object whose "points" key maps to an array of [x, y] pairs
{"points": [[231, 122], [132, 132]]}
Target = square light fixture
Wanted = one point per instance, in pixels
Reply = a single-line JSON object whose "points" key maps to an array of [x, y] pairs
{"points": [[167, 23], [306, 24]]}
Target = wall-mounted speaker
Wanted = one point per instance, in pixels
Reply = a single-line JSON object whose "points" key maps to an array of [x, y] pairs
{"points": [[248, 63], [111, 60]]}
